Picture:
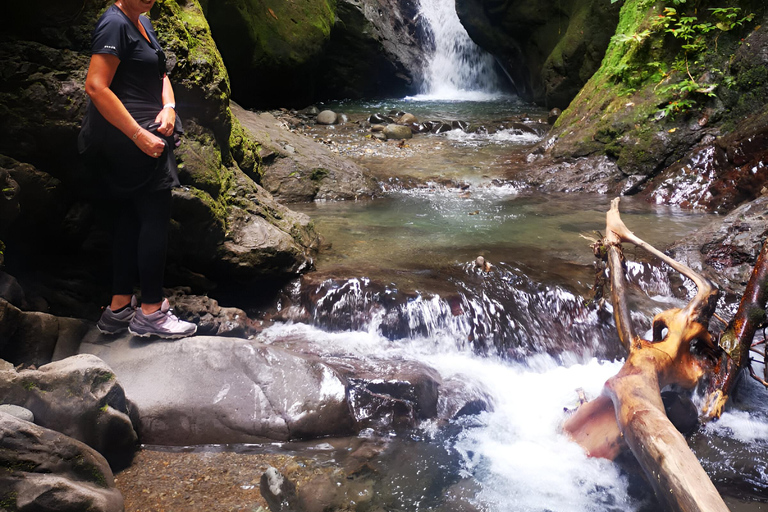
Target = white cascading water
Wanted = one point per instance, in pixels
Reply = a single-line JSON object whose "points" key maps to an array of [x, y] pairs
{"points": [[516, 452], [457, 69]]}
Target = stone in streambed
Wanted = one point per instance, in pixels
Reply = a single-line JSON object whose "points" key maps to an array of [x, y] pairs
{"points": [[395, 131], [18, 412], [327, 117], [79, 397], [553, 115], [278, 491], [407, 119], [45, 470], [206, 390]]}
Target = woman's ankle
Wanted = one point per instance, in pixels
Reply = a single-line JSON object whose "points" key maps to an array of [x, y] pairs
{"points": [[119, 302], [148, 309]]}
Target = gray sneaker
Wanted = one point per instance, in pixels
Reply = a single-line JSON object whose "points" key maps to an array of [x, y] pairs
{"points": [[162, 323], [114, 322]]}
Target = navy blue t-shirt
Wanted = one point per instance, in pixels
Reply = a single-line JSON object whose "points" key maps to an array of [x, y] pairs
{"points": [[138, 81], [138, 84]]}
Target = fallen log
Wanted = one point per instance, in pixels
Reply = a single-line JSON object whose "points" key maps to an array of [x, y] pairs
{"points": [[630, 412]]}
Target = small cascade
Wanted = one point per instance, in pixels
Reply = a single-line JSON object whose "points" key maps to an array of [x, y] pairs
{"points": [[502, 312], [457, 69]]}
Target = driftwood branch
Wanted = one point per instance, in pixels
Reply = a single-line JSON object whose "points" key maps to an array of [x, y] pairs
{"points": [[630, 412]]}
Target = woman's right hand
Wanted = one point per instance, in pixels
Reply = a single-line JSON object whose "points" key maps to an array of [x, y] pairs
{"points": [[150, 143]]}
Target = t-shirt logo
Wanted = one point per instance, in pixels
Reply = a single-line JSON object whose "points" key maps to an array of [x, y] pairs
{"points": [[110, 47]]}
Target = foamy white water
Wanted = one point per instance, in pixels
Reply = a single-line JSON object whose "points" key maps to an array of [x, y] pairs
{"points": [[457, 69], [516, 452]]}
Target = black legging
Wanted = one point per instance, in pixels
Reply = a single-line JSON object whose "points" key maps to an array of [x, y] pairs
{"points": [[140, 243]]}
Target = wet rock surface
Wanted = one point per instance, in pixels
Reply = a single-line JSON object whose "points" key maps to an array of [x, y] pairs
{"points": [[298, 169], [727, 249], [348, 49], [45, 470], [225, 390], [98, 418], [549, 49], [357, 473]]}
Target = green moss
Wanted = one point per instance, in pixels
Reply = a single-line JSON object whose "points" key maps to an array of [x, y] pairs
{"points": [[244, 150], [318, 174], [8, 501], [90, 471], [622, 107]]}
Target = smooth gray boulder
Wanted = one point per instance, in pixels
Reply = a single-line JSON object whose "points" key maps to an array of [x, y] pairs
{"points": [[43, 470], [17, 411], [79, 397], [396, 131], [226, 390], [327, 117]]}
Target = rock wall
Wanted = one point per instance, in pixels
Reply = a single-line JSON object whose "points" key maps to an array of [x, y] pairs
{"points": [[636, 122], [549, 48], [224, 225], [294, 53]]}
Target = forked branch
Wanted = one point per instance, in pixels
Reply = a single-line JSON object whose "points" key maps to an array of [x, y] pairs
{"points": [[630, 411]]}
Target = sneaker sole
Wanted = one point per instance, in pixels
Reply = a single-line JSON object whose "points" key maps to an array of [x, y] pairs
{"points": [[163, 336], [103, 330]]}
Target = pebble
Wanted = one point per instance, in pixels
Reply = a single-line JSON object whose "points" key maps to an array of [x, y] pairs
{"points": [[20, 412]]}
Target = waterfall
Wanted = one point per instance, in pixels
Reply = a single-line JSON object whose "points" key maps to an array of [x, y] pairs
{"points": [[457, 69]]}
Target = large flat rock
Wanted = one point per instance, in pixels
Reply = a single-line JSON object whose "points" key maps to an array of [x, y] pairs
{"points": [[206, 389]]}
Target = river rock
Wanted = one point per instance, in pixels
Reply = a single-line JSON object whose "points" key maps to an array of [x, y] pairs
{"points": [[45, 470], [726, 249], [11, 291], [226, 390], [312, 172], [378, 127], [407, 119], [9, 199], [278, 491], [380, 119], [98, 416], [35, 338], [553, 115], [394, 131], [309, 111], [460, 125], [327, 117], [211, 319], [21, 413]]}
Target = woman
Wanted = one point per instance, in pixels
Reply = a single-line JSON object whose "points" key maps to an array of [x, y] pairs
{"points": [[133, 114]]}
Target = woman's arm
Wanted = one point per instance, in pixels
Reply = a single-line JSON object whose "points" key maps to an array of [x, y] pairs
{"points": [[167, 116], [101, 71]]}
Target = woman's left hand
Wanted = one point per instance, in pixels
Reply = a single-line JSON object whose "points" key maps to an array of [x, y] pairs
{"points": [[167, 119]]}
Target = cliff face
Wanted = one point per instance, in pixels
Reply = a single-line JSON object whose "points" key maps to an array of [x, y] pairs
{"points": [[224, 225], [679, 118], [291, 54], [549, 48]]}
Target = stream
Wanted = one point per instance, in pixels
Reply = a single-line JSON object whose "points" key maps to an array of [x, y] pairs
{"points": [[397, 281]]}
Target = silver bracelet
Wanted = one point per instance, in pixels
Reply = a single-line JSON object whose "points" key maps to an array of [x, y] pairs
{"points": [[170, 105]]}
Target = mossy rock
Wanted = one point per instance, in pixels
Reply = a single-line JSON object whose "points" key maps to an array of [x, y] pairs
{"points": [[630, 99], [549, 48], [269, 42]]}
